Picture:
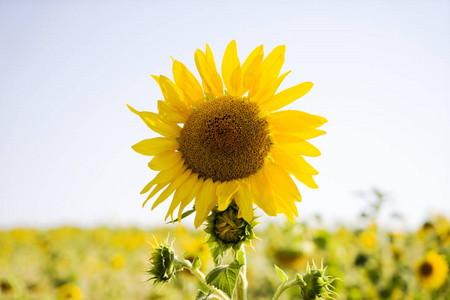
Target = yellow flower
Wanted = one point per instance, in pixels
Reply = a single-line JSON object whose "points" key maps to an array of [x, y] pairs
{"points": [[368, 239], [117, 261], [432, 271], [232, 144], [69, 291]]}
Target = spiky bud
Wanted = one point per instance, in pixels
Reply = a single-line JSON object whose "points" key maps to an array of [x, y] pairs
{"points": [[315, 285], [164, 263]]}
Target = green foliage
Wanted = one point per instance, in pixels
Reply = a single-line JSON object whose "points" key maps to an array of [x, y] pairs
{"points": [[201, 295], [281, 274], [225, 277], [183, 215]]}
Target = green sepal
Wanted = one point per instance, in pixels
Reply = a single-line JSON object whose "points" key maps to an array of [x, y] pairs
{"points": [[299, 280], [196, 263]]}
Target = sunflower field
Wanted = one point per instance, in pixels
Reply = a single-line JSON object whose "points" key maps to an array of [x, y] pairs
{"points": [[112, 263]]}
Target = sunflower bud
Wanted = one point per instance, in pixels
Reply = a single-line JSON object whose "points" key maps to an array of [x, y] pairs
{"points": [[315, 285], [228, 227], [226, 230], [164, 263]]}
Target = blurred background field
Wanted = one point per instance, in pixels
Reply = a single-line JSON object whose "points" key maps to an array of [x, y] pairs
{"points": [[111, 263]]}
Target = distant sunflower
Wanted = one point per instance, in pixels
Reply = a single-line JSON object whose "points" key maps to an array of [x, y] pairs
{"points": [[432, 271], [69, 291], [232, 144]]}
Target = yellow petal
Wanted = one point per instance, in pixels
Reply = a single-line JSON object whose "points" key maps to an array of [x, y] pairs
{"points": [[231, 69], [157, 188], [290, 121], [147, 187], [243, 199], [155, 146], [281, 182], [269, 89], [172, 187], [287, 96], [166, 176], [195, 189], [172, 94], [187, 82], [210, 59], [282, 138], [262, 194], [155, 123], [182, 192], [292, 163], [251, 68], [270, 69], [225, 191], [306, 135], [171, 113], [308, 180], [205, 201], [164, 161], [301, 147], [287, 208], [211, 81]]}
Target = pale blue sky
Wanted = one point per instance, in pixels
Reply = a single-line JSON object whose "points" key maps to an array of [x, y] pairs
{"points": [[381, 75]]}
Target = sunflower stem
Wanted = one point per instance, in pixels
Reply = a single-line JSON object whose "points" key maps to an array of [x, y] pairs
{"points": [[199, 274], [283, 287], [242, 283]]}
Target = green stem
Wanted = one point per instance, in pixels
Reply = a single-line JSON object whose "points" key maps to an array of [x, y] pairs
{"points": [[242, 283], [199, 274], [283, 287]]}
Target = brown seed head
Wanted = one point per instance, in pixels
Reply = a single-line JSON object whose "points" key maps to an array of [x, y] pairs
{"points": [[226, 138]]}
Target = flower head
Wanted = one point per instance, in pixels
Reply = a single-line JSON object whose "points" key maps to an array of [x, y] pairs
{"points": [[233, 144], [432, 271]]}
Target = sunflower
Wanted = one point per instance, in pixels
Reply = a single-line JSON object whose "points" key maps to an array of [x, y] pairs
{"points": [[219, 145], [432, 271], [69, 291]]}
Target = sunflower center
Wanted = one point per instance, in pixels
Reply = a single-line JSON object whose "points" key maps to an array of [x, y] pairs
{"points": [[226, 138], [426, 269]]}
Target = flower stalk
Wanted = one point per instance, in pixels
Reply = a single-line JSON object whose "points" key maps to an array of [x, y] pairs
{"points": [[199, 274], [283, 287], [242, 283]]}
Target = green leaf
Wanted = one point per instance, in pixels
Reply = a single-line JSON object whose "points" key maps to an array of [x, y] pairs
{"points": [[201, 295], [225, 277], [184, 215], [217, 254], [281, 274], [196, 263]]}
